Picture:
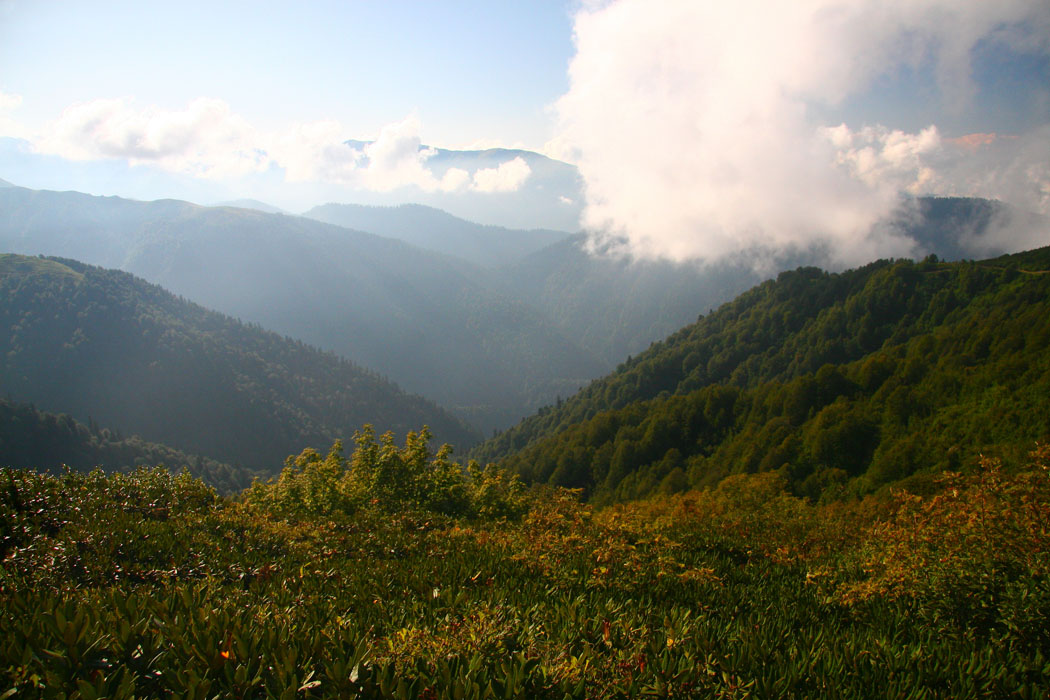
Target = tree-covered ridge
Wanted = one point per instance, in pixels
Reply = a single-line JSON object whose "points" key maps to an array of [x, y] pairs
{"points": [[870, 373], [147, 584], [102, 344], [32, 439]]}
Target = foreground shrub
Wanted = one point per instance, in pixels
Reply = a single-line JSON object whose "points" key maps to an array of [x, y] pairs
{"points": [[381, 476], [976, 555]]}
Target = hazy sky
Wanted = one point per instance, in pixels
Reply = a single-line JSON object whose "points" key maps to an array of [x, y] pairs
{"points": [[702, 129]]}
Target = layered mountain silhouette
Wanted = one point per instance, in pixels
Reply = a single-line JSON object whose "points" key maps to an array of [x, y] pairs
{"points": [[491, 343], [433, 229], [428, 321]]}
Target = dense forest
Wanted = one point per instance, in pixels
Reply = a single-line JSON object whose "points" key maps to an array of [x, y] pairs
{"points": [[104, 345], [49, 442], [846, 380]]}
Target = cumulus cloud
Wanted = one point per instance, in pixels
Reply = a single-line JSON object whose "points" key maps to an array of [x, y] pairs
{"points": [[315, 151], [878, 156], [397, 159], [693, 123], [207, 139], [507, 177]]}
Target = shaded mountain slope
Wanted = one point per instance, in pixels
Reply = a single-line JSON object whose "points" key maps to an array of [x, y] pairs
{"points": [[102, 344], [615, 307], [32, 439]]}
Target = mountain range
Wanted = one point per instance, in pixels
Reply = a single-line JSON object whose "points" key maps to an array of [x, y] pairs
{"points": [[492, 338], [439, 231], [430, 322], [549, 197]]}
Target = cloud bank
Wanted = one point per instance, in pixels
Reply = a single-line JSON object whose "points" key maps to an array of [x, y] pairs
{"points": [[693, 123], [207, 139]]}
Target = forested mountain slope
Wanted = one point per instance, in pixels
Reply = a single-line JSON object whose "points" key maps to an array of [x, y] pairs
{"points": [[431, 323], [871, 373], [102, 344], [32, 439]]}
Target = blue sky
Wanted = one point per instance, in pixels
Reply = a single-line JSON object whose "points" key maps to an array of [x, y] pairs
{"points": [[472, 71], [701, 129]]}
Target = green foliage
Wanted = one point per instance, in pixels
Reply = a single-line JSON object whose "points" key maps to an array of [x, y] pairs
{"points": [[147, 584], [382, 477], [842, 383]]}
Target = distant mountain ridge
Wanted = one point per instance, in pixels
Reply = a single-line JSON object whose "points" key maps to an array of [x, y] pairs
{"points": [[551, 197], [433, 229], [251, 204]]}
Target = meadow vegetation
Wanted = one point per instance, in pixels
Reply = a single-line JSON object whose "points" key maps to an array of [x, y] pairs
{"points": [[395, 573]]}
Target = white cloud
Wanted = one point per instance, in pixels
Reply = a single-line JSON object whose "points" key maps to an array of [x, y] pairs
{"points": [[878, 156], [316, 151], [207, 139], [507, 177], [398, 159], [692, 122]]}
